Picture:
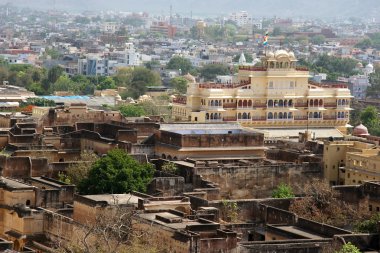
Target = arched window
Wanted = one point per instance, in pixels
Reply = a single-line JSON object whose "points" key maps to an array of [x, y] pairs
{"points": [[339, 102], [219, 116], [285, 115], [245, 103], [286, 64], [270, 115], [320, 115], [280, 115], [270, 103], [216, 103], [315, 102], [207, 116], [275, 115], [245, 115], [275, 103], [239, 115], [249, 115], [281, 103], [315, 115], [310, 115], [212, 102], [27, 203], [163, 156], [286, 103], [320, 102], [290, 103], [339, 115], [240, 103], [212, 116], [343, 102], [271, 65], [290, 115], [311, 103], [169, 157], [249, 103]]}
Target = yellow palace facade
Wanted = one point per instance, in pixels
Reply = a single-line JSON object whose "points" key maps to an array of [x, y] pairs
{"points": [[277, 94]]}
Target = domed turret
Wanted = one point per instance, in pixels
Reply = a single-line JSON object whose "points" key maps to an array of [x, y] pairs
{"points": [[270, 55], [360, 130], [281, 53], [369, 68], [359, 65], [189, 78]]}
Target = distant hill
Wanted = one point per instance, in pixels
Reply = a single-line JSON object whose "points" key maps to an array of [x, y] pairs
{"points": [[259, 8]]}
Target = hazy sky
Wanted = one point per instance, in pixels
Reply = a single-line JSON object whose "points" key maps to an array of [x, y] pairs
{"points": [[259, 8]]}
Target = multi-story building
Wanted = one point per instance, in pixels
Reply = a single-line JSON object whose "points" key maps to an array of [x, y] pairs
{"points": [[241, 18], [335, 159], [358, 85], [277, 94]]}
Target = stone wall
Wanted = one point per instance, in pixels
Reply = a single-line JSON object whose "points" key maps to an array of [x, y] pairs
{"points": [[238, 182]]}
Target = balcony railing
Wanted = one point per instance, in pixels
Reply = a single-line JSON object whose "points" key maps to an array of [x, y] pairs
{"points": [[259, 118], [300, 118], [329, 118], [259, 106], [252, 68], [180, 100], [330, 105], [229, 105], [229, 118]]}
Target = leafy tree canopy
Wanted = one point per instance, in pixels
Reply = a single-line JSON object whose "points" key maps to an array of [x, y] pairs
{"points": [[131, 110], [117, 172], [181, 63], [348, 248], [283, 191], [179, 84], [210, 71], [370, 118]]}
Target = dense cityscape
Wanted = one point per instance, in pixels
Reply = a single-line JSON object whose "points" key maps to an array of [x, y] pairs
{"points": [[164, 127]]}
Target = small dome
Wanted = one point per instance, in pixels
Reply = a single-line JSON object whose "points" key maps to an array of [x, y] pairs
{"points": [[359, 65], [270, 54], [291, 55], [369, 67], [118, 97], [189, 78], [281, 53], [360, 130]]}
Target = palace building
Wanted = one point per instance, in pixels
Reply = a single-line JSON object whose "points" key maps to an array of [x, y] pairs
{"points": [[277, 94]]}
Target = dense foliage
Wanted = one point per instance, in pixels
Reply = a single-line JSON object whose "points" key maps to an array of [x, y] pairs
{"points": [[370, 225], [370, 118], [283, 191], [349, 248], [116, 172], [37, 102], [332, 66], [179, 84], [44, 82], [210, 71], [373, 41], [180, 63]]}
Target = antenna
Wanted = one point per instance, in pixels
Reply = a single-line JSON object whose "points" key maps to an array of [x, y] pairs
{"points": [[171, 15]]}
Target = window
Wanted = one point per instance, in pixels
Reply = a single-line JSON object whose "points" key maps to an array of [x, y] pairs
{"points": [[348, 175], [338, 148], [377, 209], [370, 208]]}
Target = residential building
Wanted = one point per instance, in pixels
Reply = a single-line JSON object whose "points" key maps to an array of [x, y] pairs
{"points": [[335, 156], [358, 85], [241, 18], [163, 28], [276, 95]]}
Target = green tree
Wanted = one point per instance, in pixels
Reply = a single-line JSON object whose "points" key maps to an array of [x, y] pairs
{"points": [[78, 171], [169, 167], [368, 226], [348, 248], [139, 79], [370, 118], [374, 89], [131, 110], [106, 83], [364, 43], [210, 71], [318, 39], [276, 31], [64, 83], [54, 73], [116, 172], [283, 191], [38, 102], [181, 63], [179, 84]]}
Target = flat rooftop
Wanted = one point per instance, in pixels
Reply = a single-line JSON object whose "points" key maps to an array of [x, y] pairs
{"points": [[13, 184], [112, 199], [299, 232], [179, 222]]}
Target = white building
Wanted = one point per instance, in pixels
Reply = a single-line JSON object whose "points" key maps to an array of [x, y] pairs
{"points": [[358, 86], [241, 18]]}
